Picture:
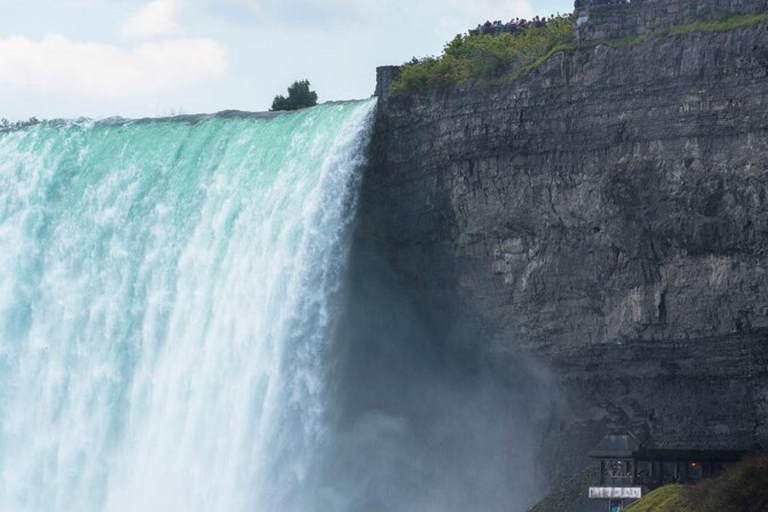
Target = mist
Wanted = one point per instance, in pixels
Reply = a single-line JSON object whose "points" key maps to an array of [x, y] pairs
{"points": [[422, 419]]}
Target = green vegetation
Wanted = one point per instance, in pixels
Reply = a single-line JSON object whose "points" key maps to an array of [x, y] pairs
{"points": [[725, 24], [6, 125], [488, 59], [743, 488], [664, 499], [699, 27], [483, 58], [299, 96]]}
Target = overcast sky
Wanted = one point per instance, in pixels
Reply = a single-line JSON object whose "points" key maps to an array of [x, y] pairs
{"points": [[100, 58]]}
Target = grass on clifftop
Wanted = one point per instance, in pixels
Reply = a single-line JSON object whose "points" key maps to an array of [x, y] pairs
{"points": [[726, 24], [664, 499], [499, 59], [483, 58], [743, 488]]}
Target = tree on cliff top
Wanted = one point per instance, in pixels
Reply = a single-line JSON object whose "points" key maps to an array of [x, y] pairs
{"points": [[299, 96]]}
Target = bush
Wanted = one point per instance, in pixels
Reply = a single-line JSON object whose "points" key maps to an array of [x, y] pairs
{"points": [[6, 125], [742, 488], [484, 58], [669, 498], [299, 96]]}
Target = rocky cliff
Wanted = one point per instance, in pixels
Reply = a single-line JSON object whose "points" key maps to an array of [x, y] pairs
{"points": [[607, 215], [615, 19]]}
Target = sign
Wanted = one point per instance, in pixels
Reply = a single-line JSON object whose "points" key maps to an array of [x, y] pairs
{"points": [[616, 492]]}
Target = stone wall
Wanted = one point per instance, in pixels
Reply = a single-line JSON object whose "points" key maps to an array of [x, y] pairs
{"points": [[608, 215], [600, 19]]}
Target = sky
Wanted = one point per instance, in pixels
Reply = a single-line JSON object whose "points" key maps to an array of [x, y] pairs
{"points": [[145, 58]]}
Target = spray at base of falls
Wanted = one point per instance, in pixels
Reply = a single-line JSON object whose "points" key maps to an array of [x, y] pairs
{"points": [[166, 307]]}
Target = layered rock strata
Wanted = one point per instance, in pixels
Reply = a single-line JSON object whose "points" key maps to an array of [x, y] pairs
{"points": [[607, 215]]}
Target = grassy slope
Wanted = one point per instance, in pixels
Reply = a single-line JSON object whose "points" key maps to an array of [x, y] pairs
{"points": [[664, 499], [485, 59], [699, 27], [743, 488]]}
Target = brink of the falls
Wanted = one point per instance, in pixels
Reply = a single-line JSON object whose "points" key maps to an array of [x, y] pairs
{"points": [[166, 307], [196, 316]]}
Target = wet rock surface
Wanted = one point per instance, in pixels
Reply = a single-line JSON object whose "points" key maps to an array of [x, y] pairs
{"points": [[607, 215]]}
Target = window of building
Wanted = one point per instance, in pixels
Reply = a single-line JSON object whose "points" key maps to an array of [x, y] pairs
{"points": [[618, 472]]}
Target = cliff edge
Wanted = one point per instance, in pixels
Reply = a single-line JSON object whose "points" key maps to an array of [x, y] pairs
{"points": [[608, 215]]}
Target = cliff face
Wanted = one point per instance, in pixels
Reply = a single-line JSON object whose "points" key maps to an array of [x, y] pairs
{"points": [[608, 215], [610, 19]]}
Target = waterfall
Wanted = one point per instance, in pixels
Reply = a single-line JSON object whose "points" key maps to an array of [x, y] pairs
{"points": [[167, 306]]}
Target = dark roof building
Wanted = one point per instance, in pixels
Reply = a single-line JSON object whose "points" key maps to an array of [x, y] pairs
{"points": [[622, 446], [629, 469]]}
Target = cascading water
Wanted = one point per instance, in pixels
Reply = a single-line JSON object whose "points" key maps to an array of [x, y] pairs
{"points": [[166, 306]]}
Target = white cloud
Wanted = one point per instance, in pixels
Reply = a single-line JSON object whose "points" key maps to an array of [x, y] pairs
{"points": [[501, 9], [457, 16], [349, 12], [154, 19], [57, 64]]}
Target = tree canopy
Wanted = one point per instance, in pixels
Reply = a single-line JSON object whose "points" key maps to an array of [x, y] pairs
{"points": [[299, 96]]}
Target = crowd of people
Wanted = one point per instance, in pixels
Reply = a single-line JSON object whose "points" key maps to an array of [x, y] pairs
{"points": [[584, 3], [514, 27], [519, 25]]}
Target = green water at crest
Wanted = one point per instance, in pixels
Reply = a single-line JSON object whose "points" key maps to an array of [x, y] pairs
{"points": [[166, 306]]}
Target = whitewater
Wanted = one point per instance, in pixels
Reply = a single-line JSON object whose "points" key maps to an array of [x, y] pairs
{"points": [[168, 296]]}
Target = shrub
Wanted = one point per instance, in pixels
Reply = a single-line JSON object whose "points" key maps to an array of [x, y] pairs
{"points": [[669, 498], [299, 96], [6, 125], [742, 488], [483, 58]]}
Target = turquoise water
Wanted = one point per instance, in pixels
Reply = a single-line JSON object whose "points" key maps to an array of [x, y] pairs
{"points": [[166, 299]]}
